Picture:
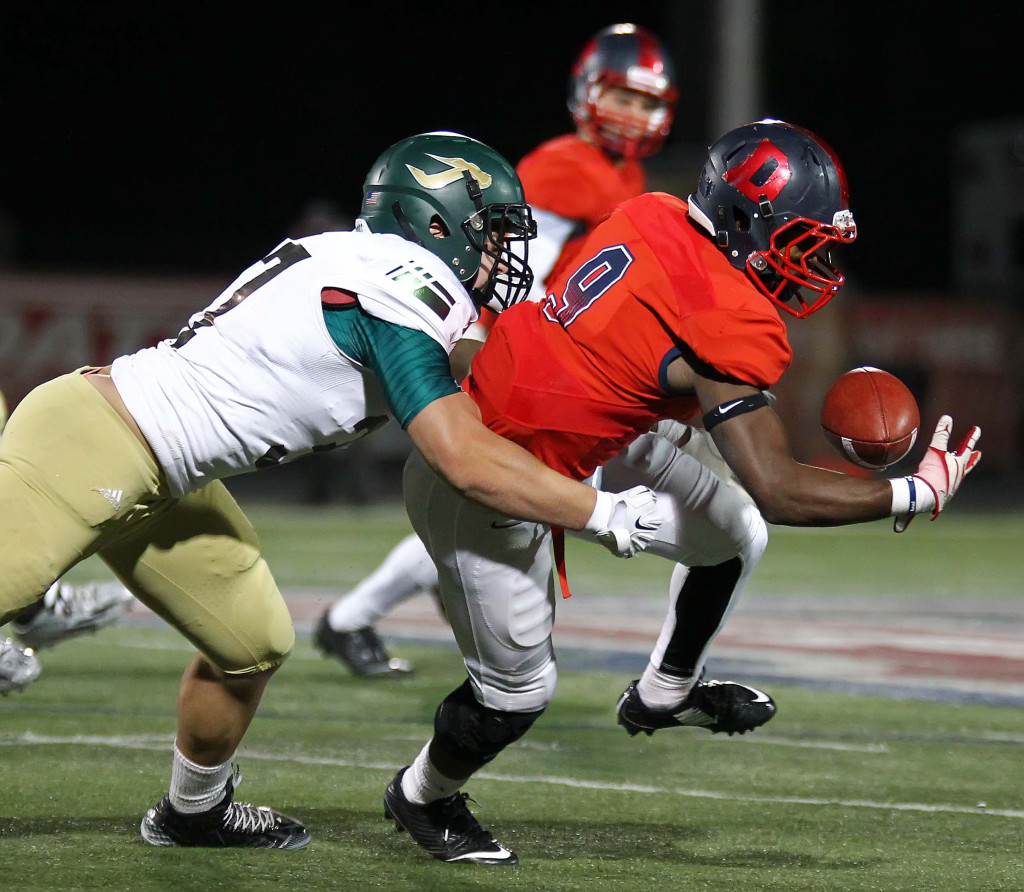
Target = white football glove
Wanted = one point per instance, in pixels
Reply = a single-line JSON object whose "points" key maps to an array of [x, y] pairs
{"points": [[625, 522], [940, 471]]}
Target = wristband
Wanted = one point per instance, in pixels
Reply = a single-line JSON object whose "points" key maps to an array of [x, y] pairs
{"points": [[909, 496], [602, 512]]}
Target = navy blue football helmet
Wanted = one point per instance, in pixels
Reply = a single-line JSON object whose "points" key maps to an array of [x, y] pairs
{"points": [[775, 199]]}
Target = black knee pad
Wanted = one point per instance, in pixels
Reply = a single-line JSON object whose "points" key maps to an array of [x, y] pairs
{"points": [[468, 735]]}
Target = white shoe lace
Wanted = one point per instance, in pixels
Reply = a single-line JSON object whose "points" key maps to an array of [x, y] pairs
{"points": [[241, 817]]}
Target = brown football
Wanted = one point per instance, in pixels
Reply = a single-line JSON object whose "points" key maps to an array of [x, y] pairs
{"points": [[870, 417]]}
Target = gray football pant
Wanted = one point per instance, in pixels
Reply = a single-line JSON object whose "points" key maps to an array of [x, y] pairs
{"points": [[496, 577]]}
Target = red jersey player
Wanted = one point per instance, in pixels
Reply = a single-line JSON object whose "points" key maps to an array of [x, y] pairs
{"points": [[670, 309], [622, 98]]}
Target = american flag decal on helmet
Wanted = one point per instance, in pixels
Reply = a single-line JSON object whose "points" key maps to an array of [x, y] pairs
{"points": [[371, 198]]}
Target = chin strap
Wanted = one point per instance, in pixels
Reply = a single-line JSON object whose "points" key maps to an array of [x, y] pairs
{"points": [[476, 194]]}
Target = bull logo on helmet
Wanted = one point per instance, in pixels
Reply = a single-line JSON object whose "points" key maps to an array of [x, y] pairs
{"points": [[452, 173]]}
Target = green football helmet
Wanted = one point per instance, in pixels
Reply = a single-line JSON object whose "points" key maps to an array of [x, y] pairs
{"points": [[460, 200]]}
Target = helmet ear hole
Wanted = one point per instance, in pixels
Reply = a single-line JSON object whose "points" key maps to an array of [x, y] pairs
{"points": [[438, 228], [741, 218]]}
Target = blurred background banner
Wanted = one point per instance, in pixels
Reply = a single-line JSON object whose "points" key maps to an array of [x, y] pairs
{"points": [[149, 156], [51, 323]]}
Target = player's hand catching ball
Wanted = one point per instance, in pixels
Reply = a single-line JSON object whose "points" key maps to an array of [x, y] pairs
{"points": [[938, 476], [625, 522]]}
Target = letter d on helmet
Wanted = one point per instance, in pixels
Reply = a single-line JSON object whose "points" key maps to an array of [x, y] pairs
{"points": [[775, 199]]}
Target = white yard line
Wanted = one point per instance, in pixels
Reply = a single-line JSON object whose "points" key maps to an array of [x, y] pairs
{"points": [[150, 742]]}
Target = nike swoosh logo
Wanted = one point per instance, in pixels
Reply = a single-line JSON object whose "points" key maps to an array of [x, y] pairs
{"points": [[502, 854], [642, 525], [504, 524], [728, 407], [453, 174]]}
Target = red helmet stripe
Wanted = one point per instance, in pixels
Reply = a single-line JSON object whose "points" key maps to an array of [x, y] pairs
{"points": [[584, 57], [648, 54]]}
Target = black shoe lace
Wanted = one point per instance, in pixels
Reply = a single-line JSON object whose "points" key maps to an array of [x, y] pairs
{"points": [[459, 820]]}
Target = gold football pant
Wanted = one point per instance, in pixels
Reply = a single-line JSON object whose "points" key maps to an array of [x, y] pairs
{"points": [[75, 481]]}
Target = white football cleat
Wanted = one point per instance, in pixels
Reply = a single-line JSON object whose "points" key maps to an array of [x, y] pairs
{"points": [[18, 666], [71, 609]]}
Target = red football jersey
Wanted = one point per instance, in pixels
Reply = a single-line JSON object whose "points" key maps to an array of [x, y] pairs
{"points": [[576, 180], [577, 378]]}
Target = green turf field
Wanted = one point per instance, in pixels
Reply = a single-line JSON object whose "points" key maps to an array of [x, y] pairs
{"points": [[960, 555], [838, 793]]}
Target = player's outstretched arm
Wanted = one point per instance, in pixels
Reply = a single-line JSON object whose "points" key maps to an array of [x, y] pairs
{"points": [[787, 492], [503, 476]]}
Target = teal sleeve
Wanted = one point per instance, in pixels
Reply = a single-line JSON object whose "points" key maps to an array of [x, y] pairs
{"points": [[412, 368]]}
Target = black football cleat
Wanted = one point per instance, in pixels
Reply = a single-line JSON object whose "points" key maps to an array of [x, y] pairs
{"points": [[445, 828], [362, 651], [229, 824], [715, 705]]}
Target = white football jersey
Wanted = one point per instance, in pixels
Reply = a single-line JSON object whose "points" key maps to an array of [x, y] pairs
{"points": [[256, 379]]}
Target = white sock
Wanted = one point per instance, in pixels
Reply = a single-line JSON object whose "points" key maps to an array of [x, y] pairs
{"points": [[423, 783], [404, 572], [661, 691], [196, 788], [51, 595]]}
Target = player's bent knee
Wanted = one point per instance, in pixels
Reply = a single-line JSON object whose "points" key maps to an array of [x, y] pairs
{"points": [[267, 663], [527, 690], [470, 735], [256, 654], [260, 640]]}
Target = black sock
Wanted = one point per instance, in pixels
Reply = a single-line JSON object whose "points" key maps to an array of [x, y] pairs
{"points": [[702, 602]]}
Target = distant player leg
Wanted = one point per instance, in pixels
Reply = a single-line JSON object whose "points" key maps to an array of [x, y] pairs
{"points": [[67, 610], [345, 630], [18, 666], [406, 571]]}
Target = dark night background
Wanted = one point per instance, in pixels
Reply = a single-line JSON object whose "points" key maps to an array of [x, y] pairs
{"points": [[186, 138]]}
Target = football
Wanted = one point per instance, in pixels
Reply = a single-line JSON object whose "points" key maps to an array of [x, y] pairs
{"points": [[870, 417]]}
